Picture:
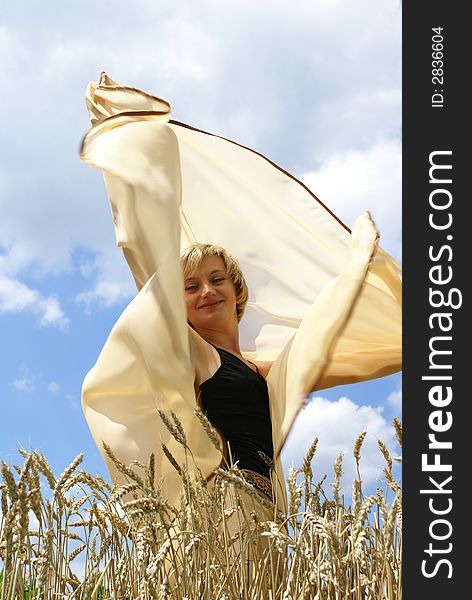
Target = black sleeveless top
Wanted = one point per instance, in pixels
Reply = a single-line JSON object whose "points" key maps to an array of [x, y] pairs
{"points": [[236, 402]]}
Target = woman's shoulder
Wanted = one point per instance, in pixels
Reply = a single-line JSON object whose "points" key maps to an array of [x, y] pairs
{"points": [[264, 367], [205, 357]]}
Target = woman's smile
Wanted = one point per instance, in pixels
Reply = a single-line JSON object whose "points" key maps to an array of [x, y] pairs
{"points": [[211, 305]]}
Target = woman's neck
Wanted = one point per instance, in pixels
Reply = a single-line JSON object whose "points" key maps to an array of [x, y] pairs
{"points": [[226, 339]]}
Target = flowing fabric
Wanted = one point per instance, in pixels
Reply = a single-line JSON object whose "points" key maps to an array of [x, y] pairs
{"points": [[324, 303]]}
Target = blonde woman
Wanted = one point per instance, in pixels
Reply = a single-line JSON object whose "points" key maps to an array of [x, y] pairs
{"points": [[232, 390], [323, 304]]}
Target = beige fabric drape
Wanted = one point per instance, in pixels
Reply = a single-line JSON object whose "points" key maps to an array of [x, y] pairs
{"points": [[324, 304]]}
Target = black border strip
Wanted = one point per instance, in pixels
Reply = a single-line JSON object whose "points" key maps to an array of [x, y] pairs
{"points": [[435, 119]]}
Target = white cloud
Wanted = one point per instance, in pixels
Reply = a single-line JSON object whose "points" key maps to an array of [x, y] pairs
{"points": [[78, 567], [105, 293], [29, 382], [112, 281], [354, 181], [394, 399], [26, 382], [33, 521], [52, 313], [337, 424], [15, 296], [73, 402], [53, 387]]}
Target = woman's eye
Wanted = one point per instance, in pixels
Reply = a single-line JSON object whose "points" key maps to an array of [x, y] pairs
{"points": [[191, 288], [218, 279]]}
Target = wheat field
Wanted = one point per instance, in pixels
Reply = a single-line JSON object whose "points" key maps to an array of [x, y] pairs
{"points": [[76, 537]]}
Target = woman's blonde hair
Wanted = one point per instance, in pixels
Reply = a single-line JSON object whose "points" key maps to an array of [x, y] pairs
{"points": [[191, 258]]}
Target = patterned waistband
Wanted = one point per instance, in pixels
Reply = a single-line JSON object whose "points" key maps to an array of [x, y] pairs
{"points": [[260, 482]]}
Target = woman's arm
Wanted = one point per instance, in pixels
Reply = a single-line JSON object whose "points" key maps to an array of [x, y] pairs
{"points": [[204, 357], [313, 354], [147, 362], [264, 367]]}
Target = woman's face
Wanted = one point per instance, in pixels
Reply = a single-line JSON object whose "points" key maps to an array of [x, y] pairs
{"points": [[210, 296]]}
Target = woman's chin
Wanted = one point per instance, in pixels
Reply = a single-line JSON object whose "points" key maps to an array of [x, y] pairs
{"points": [[214, 320]]}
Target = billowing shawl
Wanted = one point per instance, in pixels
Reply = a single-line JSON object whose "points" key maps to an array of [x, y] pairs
{"points": [[324, 303]]}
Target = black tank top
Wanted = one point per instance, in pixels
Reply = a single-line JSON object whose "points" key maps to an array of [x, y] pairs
{"points": [[236, 402]]}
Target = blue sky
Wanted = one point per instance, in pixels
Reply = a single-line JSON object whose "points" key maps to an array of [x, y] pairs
{"points": [[315, 86]]}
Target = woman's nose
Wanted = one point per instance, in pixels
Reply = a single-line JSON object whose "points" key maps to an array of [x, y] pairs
{"points": [[207, 288]]}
